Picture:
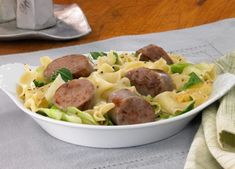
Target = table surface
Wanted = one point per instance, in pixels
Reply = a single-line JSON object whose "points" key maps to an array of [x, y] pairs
{"points": [[115, 18]]}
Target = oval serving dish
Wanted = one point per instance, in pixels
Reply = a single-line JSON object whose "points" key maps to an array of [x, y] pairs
{"points": [[109, 136]]}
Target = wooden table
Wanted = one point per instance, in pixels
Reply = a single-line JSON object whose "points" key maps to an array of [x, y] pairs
{"points": [[110, 18]]}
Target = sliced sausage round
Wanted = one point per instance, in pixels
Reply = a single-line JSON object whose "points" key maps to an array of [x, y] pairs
{"points": [[153, 53], [130, 108], [149, 81], [77, 93], [79, 65]]}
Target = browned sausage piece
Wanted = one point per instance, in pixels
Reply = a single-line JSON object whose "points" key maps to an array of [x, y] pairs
{"points": [[77, 93], [153, 53], [150, 82], [130, 108], [79, 65]]}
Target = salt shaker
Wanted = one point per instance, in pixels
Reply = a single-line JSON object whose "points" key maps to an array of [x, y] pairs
{"points": [[7, 10], [35, 14]]}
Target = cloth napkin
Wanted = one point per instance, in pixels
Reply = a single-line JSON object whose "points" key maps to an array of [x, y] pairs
{"points": [[214, 144]]}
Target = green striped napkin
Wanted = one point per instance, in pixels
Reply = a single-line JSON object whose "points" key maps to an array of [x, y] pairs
{"points": [[213, 146]]}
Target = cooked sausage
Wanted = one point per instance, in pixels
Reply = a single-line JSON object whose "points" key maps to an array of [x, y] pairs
{"points": [[79, 65], [77, 93], [130, 108], [149, 81], [153, 53]]}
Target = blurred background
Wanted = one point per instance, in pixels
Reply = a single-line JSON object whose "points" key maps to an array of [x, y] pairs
{"points": [[111, 18]]}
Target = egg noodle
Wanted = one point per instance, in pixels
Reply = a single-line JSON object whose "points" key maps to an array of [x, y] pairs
{"points": [[109, 76]]}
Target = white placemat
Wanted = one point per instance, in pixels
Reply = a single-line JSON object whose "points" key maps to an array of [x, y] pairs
{"points": [[23, 144]]}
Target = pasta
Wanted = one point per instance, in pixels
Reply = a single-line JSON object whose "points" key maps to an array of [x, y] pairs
{"points": [[53, 87], [193, 86], [100, 110], [170, 98]]}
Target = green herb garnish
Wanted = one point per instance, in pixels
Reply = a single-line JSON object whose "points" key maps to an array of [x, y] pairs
{"points": [[193, 80], [108, 120], [38, 83], [66, 75], [95, 55], [188, 108], [117, 57], [179, 67], [164, 116]]}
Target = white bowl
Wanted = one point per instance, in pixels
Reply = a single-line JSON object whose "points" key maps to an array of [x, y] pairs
{"points": [[109, 136]]}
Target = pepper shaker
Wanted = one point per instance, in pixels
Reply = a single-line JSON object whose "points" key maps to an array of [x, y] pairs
{"points": [[35, 14]]}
